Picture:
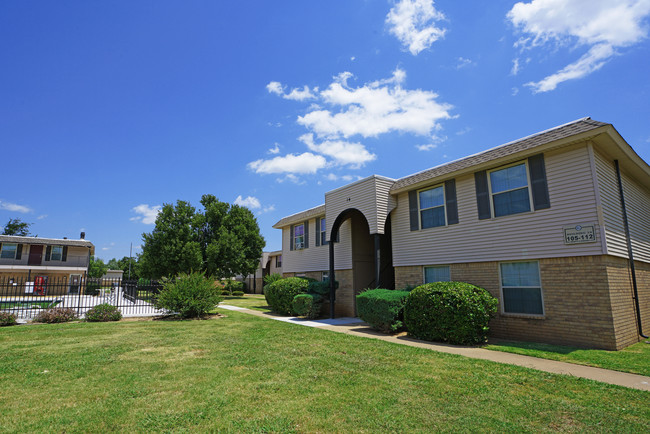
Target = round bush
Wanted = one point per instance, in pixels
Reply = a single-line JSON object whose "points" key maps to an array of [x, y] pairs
{"points": [[238, 293], [189, 295], [103, 312], [279, 294], [307, 305], [56, 315], [383, 309], [7, 319], [454, 312]]}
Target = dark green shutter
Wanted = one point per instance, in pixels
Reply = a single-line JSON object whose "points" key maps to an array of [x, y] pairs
{"points": [[318, 232], [482, 195], [539, 186], [19, 251], [413, 210], [48, 253], [451, 204], [291, 237], [64, 257], [306, 234]]}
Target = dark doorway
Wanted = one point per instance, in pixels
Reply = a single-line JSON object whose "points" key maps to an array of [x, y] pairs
{"points": [[35, 255]]}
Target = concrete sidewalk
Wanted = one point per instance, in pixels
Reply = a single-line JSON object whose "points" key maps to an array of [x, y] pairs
{"points": [[354, 326]]}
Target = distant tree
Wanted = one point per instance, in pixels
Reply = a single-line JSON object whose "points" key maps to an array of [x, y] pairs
{"points": [[123, 264], [223, 241], [16, 227], [97, 267], [173, 247]]}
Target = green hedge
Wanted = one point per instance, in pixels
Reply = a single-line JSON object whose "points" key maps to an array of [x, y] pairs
{"points": [[103, 312], [383, 309], [453, 312], [189, 295], [307, 305], [279, 294]]}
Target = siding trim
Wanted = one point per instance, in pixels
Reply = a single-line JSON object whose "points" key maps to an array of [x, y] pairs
{"points": [[599, 207]]}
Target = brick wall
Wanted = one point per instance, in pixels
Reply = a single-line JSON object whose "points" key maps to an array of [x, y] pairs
{"points": [[587, 300]]}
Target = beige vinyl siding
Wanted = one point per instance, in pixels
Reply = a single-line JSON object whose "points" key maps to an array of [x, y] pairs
{"points": [[637, 203], [532, 235], [316, 258], [369, 195]]}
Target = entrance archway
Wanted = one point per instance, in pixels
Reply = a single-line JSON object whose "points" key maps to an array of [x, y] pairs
{"points": [[372, 263]]}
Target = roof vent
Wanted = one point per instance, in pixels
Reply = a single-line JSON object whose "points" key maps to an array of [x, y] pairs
{"points": [[82, 236], [65, 238]]}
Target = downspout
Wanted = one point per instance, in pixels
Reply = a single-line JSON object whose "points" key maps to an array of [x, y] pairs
{"points": [[630, 255], [332, 278]]}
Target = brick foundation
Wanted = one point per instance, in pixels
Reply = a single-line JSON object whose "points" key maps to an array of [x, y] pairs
{"points": [[587, 300]]}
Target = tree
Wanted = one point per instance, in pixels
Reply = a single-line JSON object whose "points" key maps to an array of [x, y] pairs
{"points": [[123, 264], [223, 241], [16, 227], [97, 268]]}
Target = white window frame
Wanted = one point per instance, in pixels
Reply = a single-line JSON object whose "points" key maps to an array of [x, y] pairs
{"points": [[528, 186], [295, 244], [424, 272], [444, 205], [52, 253], [541, 292], [323, 232], [9, 244]]}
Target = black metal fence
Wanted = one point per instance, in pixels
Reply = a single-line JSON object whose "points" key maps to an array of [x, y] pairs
{"points": [[27, 297]]}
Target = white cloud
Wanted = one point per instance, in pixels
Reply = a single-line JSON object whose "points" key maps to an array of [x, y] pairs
{"points": [[515, 67], [344, 153], [249, 202], [414, 23], [352, 59], [462, 62], [41, 217], [266, 209], [14, 207], [147, 214], [375, 108], [601, 26], [275, 87], [291, 163], [106, 248], [428, 147], [291, 178], [334, 177], [515, 91], [275, 149]]}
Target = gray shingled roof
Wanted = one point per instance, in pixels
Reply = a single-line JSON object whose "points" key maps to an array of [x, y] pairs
{"points": [[45, 241], [526, 143], [302, 215]]}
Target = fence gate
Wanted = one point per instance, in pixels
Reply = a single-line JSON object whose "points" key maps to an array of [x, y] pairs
{"points": [[26, 298]]}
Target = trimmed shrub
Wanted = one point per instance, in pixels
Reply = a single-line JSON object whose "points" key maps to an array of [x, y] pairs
{"points": [[383, 309], [279, 294], [238, 293], [190, 295], [7, 319], [454, 312], [56, 315], [270, 278], [234, 285], [103, 312], [307, 305], [321, 288], [92, 287]]}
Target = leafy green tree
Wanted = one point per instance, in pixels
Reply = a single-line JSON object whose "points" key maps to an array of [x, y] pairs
{"points": [[97, 267], [173, 246], [123, 264], [16, 227], [223, 241], [113, 265]]}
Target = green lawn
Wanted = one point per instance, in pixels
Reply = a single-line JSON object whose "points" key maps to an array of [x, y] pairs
{"points": [[244, 373], [634, 359], [249, 301]]}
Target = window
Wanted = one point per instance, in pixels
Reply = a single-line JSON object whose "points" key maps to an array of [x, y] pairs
{"points": [[57, 253], [299, 236], [509, 190], [326, 276], [438, 273], [323, 232], [278, 261], [521, 288], [8, 251], [432, 207]]}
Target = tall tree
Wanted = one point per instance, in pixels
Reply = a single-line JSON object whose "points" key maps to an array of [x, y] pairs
{"points": [[173, 246], [223, 240], [16, 227]]}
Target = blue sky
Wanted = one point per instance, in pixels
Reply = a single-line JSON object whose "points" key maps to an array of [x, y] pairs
{"points": [[110, 109]]}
